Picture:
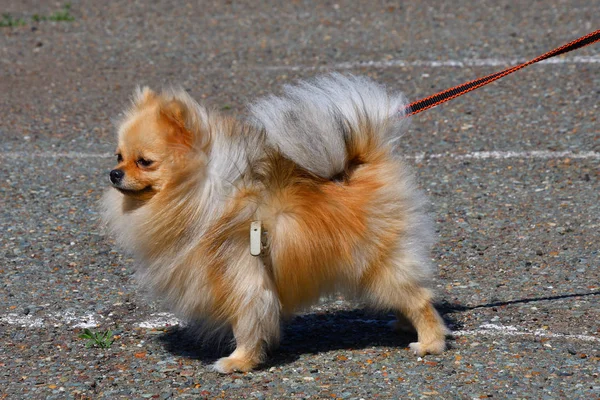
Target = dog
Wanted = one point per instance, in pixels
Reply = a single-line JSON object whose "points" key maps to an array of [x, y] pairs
{"points": [[314, 169]]}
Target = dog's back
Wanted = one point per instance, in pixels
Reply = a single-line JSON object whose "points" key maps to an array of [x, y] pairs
{"points": [[330, 122]]}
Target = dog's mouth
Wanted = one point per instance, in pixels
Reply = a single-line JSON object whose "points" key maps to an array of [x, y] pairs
{"points": [[135, 192]]}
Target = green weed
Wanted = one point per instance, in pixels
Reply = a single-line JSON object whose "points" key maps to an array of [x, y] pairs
{"points": [[8, 21], [62, 15], [38, 18], [98, 339]]}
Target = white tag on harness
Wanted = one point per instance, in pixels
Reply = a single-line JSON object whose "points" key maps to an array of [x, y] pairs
{"points": [[256, 246]]}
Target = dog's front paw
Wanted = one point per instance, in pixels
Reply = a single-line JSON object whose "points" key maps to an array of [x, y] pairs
{"points": [[227, 365], [434, 347]]}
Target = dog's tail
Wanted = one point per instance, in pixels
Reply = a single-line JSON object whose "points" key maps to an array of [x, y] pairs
{"points": [[329, 123]]}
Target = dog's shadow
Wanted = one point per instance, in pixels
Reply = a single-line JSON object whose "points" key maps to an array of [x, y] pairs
{"points": [[321, 332], [305, 334]]}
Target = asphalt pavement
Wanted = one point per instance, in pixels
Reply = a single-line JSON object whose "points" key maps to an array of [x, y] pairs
{"points": [[512, 172]]}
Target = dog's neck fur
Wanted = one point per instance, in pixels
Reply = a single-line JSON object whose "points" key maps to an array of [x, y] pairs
{"points": [[201, 191]]}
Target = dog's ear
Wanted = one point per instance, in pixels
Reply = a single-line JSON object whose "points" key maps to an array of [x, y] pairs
{"points": [[143, 96], [176, 113]]}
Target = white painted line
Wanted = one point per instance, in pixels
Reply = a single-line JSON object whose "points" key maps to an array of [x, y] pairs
{"points": [[501, 155], [88, 320], [163, 319], [419, 157], [507, 330], [52, 154], [467, 62], [24, 321], [160, 320]]}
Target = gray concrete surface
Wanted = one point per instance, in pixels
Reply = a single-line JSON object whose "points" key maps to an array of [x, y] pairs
{"points": [[512, 171]]}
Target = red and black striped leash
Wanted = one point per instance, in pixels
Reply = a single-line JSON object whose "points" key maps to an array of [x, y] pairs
{"points": [[449, 94]]}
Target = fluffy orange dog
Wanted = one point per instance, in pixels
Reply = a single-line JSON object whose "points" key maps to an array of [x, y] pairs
{"points": [[316, 167]]}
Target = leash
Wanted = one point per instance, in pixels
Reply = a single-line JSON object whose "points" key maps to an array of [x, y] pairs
{"points": [[449, 94]]}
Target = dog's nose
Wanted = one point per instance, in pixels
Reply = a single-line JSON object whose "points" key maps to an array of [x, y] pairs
{"points": [[116, 175]]}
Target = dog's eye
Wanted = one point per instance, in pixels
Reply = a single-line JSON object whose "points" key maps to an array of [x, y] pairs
{"points": [[144, 163], [119, 158]]}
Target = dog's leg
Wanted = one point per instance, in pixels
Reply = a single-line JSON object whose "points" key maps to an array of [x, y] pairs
{"points": [[430, 328], [402, 324], [413, 302], [255, 330]]}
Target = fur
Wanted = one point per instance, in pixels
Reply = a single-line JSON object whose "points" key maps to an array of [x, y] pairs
{"points": [[317, 166]]}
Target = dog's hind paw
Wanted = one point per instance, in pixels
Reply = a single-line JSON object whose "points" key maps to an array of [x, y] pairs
{"points": [[434, 347]]}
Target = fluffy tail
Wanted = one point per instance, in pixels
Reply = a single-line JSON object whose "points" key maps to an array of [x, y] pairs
{"points": [[331, 121]]}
